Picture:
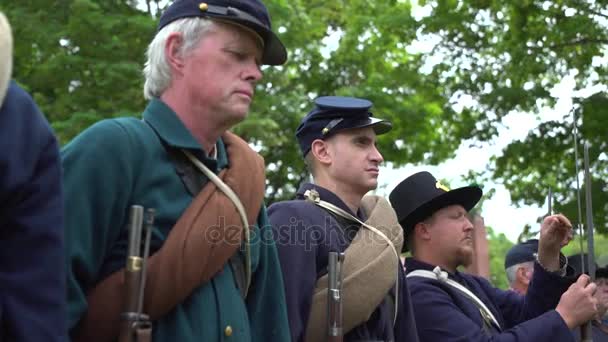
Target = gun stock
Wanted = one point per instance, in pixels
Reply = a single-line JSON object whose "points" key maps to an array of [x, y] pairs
{"points": [[135, 326]]}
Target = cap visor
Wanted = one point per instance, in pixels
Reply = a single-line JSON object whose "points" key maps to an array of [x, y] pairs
{"points": [[274, 51]]}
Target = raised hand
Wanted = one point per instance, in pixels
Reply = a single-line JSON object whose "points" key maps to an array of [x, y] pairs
{"points": [[555, 233]]}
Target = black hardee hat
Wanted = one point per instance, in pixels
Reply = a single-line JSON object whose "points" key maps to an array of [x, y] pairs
{"points": [[332, 114], [601, 273], [420, 195], [250, 13], [575, 261], [522, 252]]}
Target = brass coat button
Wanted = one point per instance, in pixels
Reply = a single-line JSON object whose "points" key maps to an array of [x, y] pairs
{"points": [[228, 331]]}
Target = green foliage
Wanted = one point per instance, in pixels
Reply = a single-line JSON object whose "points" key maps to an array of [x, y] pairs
{"points": [[82, 61], [498, 246], [507, 55], [84, 64], [600, 247]]}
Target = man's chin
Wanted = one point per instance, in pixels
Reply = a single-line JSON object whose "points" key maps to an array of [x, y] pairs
{"points": [[466, 255]]}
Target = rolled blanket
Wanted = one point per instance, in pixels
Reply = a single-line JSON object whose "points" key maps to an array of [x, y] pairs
{"points": [[370, 269]]}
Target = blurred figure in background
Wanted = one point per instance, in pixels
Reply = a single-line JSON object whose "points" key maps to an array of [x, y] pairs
{"points": [[519, 265]]}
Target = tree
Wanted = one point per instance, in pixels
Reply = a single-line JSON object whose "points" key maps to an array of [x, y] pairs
{"points": [[506, 56], [368, 59], [84, 64], [81, 60], [498, 246]]}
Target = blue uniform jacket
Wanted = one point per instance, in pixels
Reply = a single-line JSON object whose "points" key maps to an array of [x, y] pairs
{"points": [[444, 314], [305, 234], [32, 276]]}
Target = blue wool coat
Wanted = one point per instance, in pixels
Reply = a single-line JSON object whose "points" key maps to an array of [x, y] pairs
{"points": [[305, 234], [445, 314], [32, 276]]}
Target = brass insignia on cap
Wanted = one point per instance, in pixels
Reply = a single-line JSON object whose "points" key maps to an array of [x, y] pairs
{"points": [[438, 185], [325, 130], [203, 6]]}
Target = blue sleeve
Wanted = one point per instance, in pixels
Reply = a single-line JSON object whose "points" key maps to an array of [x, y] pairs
{"points": [[266, 299], [405, 327], [32, 274], [98, 179], [439, 319], [543, 294], [297, 251]]}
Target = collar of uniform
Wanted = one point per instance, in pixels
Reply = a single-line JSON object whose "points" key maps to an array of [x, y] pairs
{"points": [[412, 264], [214, 164], [168, 126], [330, 197], [174, 133]]}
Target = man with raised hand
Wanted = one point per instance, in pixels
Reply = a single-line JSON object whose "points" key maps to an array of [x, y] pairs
{"points": [[450, 305]]}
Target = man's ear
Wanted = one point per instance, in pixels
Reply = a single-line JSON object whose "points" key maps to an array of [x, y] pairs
{"points": [[521, 275], [173, 46], [321, 151], [6, 56], [421, 230]]}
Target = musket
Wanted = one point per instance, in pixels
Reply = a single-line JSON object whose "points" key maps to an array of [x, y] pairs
{"points": [[586, 334], [334, 297], [550, 203], [134, 325]]}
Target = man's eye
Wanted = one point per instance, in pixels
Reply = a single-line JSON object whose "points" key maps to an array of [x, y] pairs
{"points": [[238, 54]]}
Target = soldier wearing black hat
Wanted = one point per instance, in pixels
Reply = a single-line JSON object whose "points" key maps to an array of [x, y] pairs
{"points": [[453, 306], [209, 277], [519, 265], [338, 141]]}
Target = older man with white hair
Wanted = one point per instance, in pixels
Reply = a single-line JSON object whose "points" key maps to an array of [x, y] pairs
{"points": [[213, 273], [519, 265]]}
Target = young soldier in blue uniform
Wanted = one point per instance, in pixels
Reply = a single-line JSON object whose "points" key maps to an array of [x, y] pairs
{"points": [[210, 276], [338, 141], [32, 273], [453, 306], [519, 265]]}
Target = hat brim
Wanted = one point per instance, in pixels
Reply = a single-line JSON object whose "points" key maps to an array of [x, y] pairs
{"points": [[601, 272], [379, 126], [274, 51], [467, 196]]}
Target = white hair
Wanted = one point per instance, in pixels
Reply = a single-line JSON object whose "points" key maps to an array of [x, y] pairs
{"points": [[512, 270], [157, 72], [6, 56]]}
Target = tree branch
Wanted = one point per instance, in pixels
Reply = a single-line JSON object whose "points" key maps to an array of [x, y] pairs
{"points": [[581, 41]]}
